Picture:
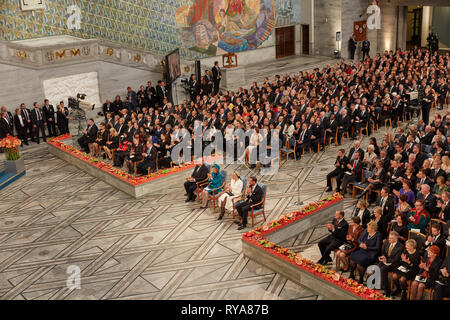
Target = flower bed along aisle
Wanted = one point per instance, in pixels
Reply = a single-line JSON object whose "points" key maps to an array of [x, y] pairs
{"points": [[109, 168], [258, 238]]}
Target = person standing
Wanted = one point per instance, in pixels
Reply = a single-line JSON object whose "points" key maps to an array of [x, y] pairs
{"points": [[217, 76], [39, 122], [26, 114], [365, 48], [426, 104], [49, 111], [9, 117], [21, 126], [352, 46], [5, 126]]}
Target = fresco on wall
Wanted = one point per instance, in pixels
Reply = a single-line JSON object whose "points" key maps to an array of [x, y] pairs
{"points": [[287, 12], [231, 25]]}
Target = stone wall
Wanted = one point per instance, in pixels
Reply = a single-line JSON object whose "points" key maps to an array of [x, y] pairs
{"points": [[327, 21]]}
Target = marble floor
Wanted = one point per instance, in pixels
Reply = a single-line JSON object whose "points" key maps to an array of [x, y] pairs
{"points": [[157, 247]]}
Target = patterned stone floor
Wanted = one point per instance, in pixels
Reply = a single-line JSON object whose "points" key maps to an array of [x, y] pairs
{"points": [[157, 247]]}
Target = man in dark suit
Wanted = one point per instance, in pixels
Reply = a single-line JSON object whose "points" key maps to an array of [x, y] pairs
{"points": [[254, 196], [26, 114], [436, 238], [303, 140], [5, 126], [421, 180], [149, 159], [338, 172], [49, 111], [390, 259], [89, 136], [21, 126], [365, 48], [352, 46], [39, 122], [442, 209], [161, 93], [9, 117], [356, 147], [353, 171], [200, 174], [387, 204], [343, 125], [217, 76], [151, 94], [131, 99], [338, 228], [429, 200], [108, 108]]}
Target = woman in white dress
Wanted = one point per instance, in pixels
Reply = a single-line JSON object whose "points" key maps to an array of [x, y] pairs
{"points": [[233, 190]]}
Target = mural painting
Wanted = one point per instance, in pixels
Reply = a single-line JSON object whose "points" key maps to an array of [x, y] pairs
{"points": [[231, 25]]}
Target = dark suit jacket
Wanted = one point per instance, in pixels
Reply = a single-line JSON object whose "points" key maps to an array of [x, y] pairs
{"points": [[352, 150], [34, 117], [366, 217], [151, 158], [429, 203], [256, 196], [5, 128], [200, 173], [440, 242], [92, 133], [395, 256], [340, 230], [389, 208]]}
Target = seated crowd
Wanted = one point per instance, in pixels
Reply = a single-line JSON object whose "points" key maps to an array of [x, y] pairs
{"points": [[406, 232]]}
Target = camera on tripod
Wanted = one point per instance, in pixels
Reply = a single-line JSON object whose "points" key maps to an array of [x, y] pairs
{"points": [[78, 103]]}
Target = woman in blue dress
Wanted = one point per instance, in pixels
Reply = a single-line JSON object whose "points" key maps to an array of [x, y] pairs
{"points": [[214, 185], [369, 248]]}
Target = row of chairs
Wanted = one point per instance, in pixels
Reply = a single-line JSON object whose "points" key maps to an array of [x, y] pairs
{"points": [[216, 193]]}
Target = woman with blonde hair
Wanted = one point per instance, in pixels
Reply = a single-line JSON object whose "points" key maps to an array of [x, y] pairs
{"points": [[111, 144], [231, 191], [369, 246], [446, 164]]}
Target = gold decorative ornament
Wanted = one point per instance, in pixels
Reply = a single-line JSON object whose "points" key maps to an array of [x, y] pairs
{"points": [[21, 54], [187, 69], [137, 57], [110, 51]]}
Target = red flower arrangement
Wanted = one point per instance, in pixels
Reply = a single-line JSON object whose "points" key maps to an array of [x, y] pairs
{"points": [[11, 145], [257, 238], [125, 176]]}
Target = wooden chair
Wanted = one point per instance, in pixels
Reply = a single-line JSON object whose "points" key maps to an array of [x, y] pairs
{"points": [[345, 133], [390, 123], [215, 193], [329, 136], [256, 212], [291, 144], [362, 185], [135, 166], [441, 222], [365, 128]]}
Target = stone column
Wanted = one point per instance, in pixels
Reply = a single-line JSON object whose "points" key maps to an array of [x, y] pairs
{"points": [[427, 17]]}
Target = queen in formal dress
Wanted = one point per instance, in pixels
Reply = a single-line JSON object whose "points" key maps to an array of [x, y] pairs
{"points": [[232, 191]]}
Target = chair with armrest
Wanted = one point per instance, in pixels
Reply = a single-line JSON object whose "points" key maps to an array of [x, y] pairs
{"points": [[256, 212], [202, 184], [215, 193], [235, 200]]}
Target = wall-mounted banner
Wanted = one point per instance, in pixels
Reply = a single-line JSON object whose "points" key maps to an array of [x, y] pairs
{"points": [[360, 30]]}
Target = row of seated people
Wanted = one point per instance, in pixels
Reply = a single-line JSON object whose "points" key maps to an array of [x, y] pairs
{"points": [[413, 263], [307, 108], [236, 196]]}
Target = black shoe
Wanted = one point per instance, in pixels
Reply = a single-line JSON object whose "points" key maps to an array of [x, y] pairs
{"points": [[404, 295], [220, 217], [320, 261], [188, 200], [352, 276], [329, 260], [203, 207], [26, 143], [241, 226], [328, 189], [104, 156], [237, 222], [337, 190]]}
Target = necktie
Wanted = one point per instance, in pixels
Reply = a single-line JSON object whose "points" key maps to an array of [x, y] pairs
{"points": [[38, 114], [354, 164], [391, 247], [26, 114]]}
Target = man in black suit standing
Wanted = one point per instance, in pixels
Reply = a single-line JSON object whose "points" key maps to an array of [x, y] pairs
{"points": [[338, 172], [39, 122], [217, 76], [254, 196], [200, 174], [26, 114], [89, 136], [161, 93], [352, 46], [338, 228], [390, 259], [5, 126], [21, 126], [149, 159], [131, 99], [49, 111], [386, 203], [365, 48]]}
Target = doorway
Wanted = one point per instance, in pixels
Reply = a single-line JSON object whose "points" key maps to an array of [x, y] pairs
{"points": [[414, 27], [285, 42], [305, 38]]}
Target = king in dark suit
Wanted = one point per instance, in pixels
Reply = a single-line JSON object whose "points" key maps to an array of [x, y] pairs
{"points": [[89, 136], [254, 197], [200, 174]]}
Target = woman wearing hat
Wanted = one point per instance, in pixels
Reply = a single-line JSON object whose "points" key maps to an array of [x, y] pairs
{"points": [[428, 273], [232, 191], [214, 185]]}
